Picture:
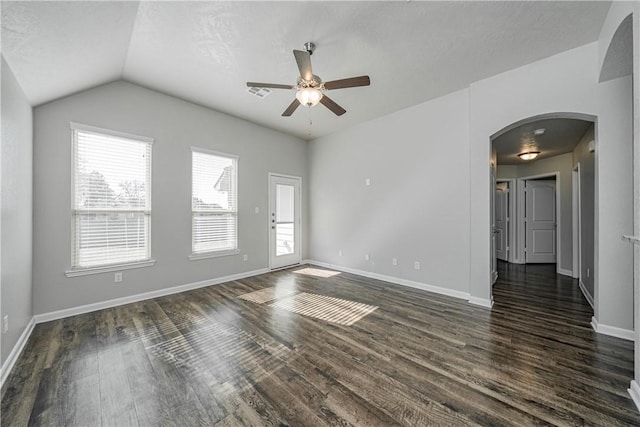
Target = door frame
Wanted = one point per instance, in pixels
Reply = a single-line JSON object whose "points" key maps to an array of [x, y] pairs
{"points": [[298, 208], [511, 227], [576, 207], [521, 212]]}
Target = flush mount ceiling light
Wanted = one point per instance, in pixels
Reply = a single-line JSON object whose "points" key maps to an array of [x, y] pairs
{"points": [[529, 155]]}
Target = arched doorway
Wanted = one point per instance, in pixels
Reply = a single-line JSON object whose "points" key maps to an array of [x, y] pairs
{"points": [[563, 146]]}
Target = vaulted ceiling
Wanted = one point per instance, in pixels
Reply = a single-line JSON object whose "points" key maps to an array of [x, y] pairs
{"points": [[205, 52]]}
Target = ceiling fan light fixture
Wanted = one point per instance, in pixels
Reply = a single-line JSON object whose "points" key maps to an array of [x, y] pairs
{"points": [[309, 96], [529, 155]]}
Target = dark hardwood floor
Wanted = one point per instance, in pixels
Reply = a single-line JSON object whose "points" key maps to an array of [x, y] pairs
{"points": [[209, 357]]}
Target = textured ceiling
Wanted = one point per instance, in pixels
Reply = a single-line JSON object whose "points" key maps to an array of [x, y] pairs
{"points": [[204, 52], [561, 136]]}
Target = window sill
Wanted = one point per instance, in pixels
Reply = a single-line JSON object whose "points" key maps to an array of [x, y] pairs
{"points": [[109, 268], [195, 257]]}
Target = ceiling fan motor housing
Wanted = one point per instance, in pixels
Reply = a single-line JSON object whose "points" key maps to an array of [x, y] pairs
{"points": [[316, 82], [310, 47]]}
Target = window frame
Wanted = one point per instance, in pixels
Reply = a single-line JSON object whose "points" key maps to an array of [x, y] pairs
{"points": [[194, 256], [75, 270]]}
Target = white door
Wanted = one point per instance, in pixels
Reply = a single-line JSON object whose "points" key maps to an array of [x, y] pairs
{"points": [[284, 221], [502, 220], [540, 221], [494, 262]]}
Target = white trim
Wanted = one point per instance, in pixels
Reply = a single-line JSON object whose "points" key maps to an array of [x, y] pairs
{"points": [[395, 280], [110, 132], [625, 334], [634, 391], [494, 277], [482, 302], [512, 253], [7, 366], [576, 208], [564, 272], [588, 297], [205, 255], [73, 311], [109, 268]]}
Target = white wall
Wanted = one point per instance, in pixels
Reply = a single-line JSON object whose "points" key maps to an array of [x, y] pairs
{"points": [[417, 206], [175, 125], [16, 202]]}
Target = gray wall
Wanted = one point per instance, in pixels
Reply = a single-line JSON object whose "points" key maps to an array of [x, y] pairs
{"points": [[417, 206], [17, 205], [562, 164], [587, 162], [613, 285], [175, 125]]}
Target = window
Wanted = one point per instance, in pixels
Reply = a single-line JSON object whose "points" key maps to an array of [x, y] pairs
{"points": [[111, 212], [214, 207]]}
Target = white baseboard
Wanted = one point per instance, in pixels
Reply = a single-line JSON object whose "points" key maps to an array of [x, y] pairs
{"points": [[634, 391], [396, 280], [73, 311], [482, 302], [7, 366], [588, 297], [564, 272], [625, 334]]}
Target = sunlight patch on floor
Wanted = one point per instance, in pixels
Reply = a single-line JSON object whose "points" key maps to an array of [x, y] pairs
{"points": [[267, 294], [317, 272], [334, 310]]}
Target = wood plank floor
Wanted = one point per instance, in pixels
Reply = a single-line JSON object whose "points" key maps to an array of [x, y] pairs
{"points": [[208, 357]]}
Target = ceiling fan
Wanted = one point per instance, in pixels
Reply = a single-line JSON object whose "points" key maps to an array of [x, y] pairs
{"points": [[310, 88]]}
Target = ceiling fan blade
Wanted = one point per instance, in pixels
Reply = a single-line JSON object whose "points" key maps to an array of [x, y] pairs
{"points": [[304, 64], [291, 108], [350, 82], [331, 105], [269, 85]]}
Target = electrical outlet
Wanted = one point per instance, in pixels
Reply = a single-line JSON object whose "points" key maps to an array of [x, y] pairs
{"points": [[245, 257], [339, 252], [394, 261], [367, 182], [416, 265], [257, 210], [366, 257], [118, 277], [5, 324]]}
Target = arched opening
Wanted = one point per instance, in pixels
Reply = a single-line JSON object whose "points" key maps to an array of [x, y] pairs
{"points": [[543, 210]]}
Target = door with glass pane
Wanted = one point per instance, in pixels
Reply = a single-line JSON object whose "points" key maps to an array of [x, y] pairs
{"points": [[284, 221]]}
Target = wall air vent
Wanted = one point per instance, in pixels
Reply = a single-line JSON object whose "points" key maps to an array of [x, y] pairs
{"points": [[260, 92]]}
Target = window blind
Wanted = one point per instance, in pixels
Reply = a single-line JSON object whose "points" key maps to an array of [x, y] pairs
{"points": [[214, 202], [111, 198]]}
